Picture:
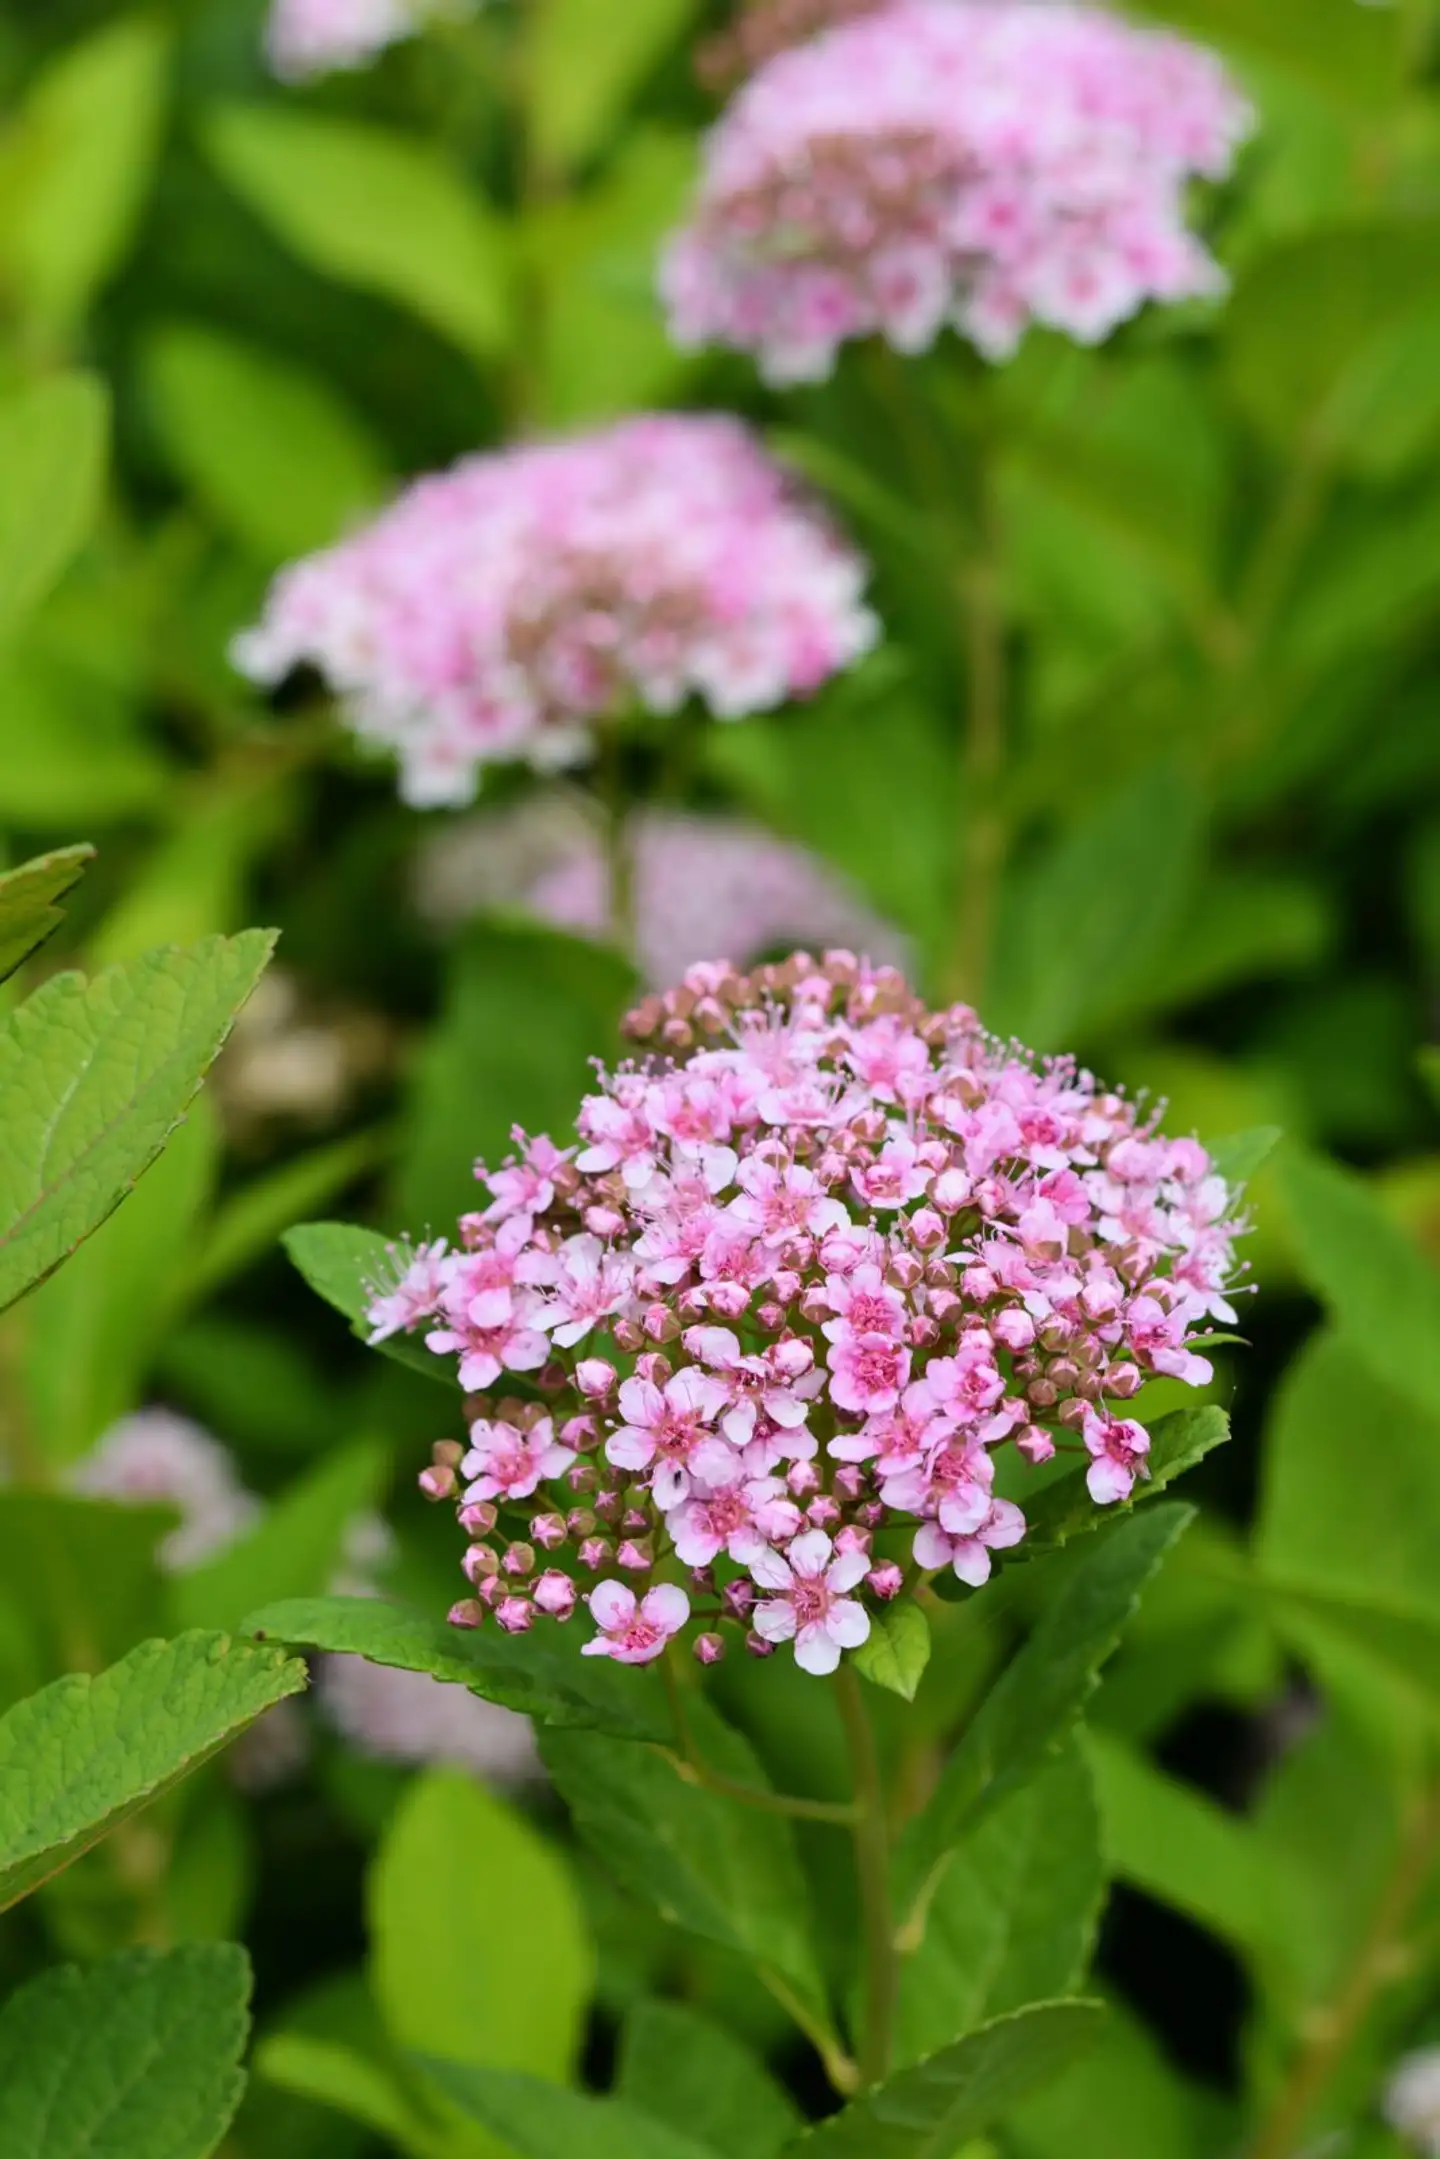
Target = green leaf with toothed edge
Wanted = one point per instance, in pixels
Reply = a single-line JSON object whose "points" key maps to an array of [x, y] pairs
{"points": [[541, 1674], [84, 1754], [346, 1265], [29, 896], [928, 2111], [897, 1651], [138, 2057], [679, 2067], [94, 1077], [1037, 1699]]}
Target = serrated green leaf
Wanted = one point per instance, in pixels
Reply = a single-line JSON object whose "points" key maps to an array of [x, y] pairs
{"points": [[1014, 1917], [1238, 1157], [1036, 1700], [294, 1550], [586, 58], [479, 1949], [29, 912], [94, 1076], [679, 2068], [1382, 1290], [541, 1674], [898, 1649], [346, 1265], [139, 2056], [375, 209], [928, 2111], [53, 440], [1122, 2100], [1064, 1509], [82, 1755], [719, 1868], [541, 2121], [88, 135]]}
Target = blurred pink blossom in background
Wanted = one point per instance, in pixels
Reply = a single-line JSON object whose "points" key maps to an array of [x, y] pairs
{"points": [[312, 37]]}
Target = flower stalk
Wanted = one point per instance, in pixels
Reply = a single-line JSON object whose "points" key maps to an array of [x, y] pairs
{"points": [[871, 1835]]}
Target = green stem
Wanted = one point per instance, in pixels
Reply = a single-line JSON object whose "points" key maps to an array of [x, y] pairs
{"points": [[618, 839], [871, 1834], [691, 1765], [984, 841]]}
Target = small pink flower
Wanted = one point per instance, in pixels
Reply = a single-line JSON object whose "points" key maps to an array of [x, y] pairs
{"points": [[634, 1633], [867, 1373], [1118, 1446], [896, 1176], [414, 1297], [528, 1186], [809, 1601], [863, 1303], [506, 1463], [739, 1519], [969, 1555], [778, 1384], [672, 1430], [587, 1285], [1157, 1338], [778, 1203], [621, 1137]]}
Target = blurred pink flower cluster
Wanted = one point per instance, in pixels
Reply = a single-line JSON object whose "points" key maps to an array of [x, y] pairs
{"points": [[985, 163], [503, 609], [702, 884], [815, 1261], [312, 37]]}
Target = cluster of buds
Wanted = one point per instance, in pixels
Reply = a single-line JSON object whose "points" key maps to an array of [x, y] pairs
{"points": [[970, 162], [820, 1261], [509, 607]]}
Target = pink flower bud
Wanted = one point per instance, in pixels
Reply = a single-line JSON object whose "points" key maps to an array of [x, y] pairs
{"points": [[447, 1454], [654, 1367], [604, 1221], [627, 1336], [927, 1230], [479, 1561], [738, 1598], [709, 1648], [595, 1377], [886, 1581], [786, 1284], [635, 1555], [477, 1518], [1013, 1328], [1035, 1443], [823, 1512], [437, 1483], [579, 1433], [660, 1323], [729, 1299], [757, 1645], [466, 1614], [803, 1478], [580, 1522], [634, 1521], [519, 1559], [548, 1531], [853, 1539], [1124, 1381], [849, 1481], [555, 1593], [871, 1515], [515, 1614], [772, 1317], [610, 1504], [950, 1191], [595, 1553]]}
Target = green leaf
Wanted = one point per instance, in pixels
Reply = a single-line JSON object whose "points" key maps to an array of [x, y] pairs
{"points": [[267, 446], [1014, 1917], [296, 1548], [84, 1754], [1121, 881], [1334, 339], [376, 210], [1064, 1509], [82, 1576], [479, 1950], [1338, 1517], [53, 444], [1037, 1699], [898, 1650], [247, 1225], [139, 2056], [363, 2088], [679, 2068], [1123, 2100], [928, 2111], [541, 2121], [713, 1865], [586, 59], [1238, 1157], [346, 1265], [527, 1010], [1177, 1845], [1343, 53], [29, 912], [541, 1674], [92, 1331], [94, 1076], [88, 137], [1383, 1292]]}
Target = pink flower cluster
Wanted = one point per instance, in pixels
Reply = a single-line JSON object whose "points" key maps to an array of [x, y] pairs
{"points": [[503, 609], [312, 37], [702, 884], [820, 1261], [977, 162]]}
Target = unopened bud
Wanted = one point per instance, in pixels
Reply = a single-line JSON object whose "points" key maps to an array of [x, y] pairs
{"points": [[580, 1522], [552, 1377], [849, 1481], [757, 1645], [653, 1367], [636, 1555], [823, 1512], [610, 1504], [738, 1598], [853, 1539], [595, 1553], [772, 1317], [477, 1517], [604, 1221], [803, 1478], [927, 1229], [437, 1483], [871, 1515], [709, 1648], [519, 1559], [548, 1531], [447, 1454], [595, 1377], [1035, 1443], [555, 1593], [467, 1613], [479, 1561], [886, 1581], [515, 1614], [660, 1323], [627, 1336]]}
